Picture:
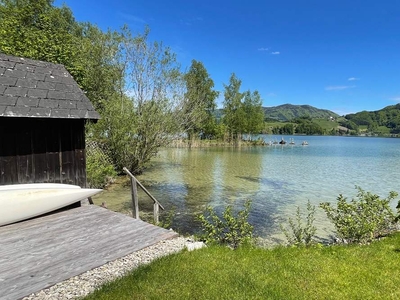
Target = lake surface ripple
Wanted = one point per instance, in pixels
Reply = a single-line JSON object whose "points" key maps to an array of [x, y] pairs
{"points": [[276, 178]]}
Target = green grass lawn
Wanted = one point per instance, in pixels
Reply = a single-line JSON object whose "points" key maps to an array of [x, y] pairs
{"points": [[335, 272]]}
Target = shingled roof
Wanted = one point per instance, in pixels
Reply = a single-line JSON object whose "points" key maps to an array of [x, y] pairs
{"points": [[32, 88]]}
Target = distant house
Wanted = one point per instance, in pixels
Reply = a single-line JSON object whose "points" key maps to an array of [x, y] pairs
{"points": [[42, 123]]}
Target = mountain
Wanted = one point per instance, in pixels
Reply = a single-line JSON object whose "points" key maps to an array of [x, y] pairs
{"points": [[388, 116], [287, 112]]}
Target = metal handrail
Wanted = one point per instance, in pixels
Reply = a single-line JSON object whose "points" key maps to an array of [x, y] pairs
{"points": [[135, 200]]}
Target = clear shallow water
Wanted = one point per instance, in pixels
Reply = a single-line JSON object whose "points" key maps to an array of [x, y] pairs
{"points": [[276, 178]]}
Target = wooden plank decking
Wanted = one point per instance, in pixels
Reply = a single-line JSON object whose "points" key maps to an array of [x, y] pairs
{"points": [[41, 252]]}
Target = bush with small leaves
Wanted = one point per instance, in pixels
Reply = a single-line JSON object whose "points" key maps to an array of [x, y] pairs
{"points": [[299, 234], [100, 171], [166, 219], [229, 230], [362, 219]]}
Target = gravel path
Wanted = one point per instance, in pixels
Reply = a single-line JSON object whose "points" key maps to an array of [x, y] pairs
{"points": [[87, 282]]}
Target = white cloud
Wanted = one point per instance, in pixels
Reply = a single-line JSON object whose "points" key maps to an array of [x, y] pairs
{"points": [[339, 87], [132, 18], [263, 49], [342, 111], [271, 95], [395, 99], [275, 53], [353, 78]]}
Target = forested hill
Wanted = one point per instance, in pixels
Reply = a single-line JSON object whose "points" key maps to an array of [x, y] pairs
{"points": [[388, 117], [287, 112]]}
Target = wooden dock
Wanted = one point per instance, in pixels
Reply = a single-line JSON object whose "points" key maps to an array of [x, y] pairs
{"points": [[41, 252]]}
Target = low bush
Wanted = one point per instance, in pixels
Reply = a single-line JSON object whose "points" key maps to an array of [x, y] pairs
{"points": [[229, 229], [362, 219], [99, 170], [297, 233], [165, 219]]}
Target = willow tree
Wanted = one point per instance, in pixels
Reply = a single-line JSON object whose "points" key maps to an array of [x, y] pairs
{"points": [[199, 102], [141, 118]]}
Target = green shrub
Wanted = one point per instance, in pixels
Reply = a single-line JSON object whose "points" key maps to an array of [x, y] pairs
{"points": [[165, 219], [298, 234], [99, 172], [362, 219], [229, 230]]}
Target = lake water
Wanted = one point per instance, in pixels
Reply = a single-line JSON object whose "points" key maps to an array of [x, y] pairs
{"points": [[276, 178]]}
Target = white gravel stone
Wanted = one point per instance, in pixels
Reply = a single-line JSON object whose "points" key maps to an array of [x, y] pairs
{"points": [[195, 245], [86, 283]]}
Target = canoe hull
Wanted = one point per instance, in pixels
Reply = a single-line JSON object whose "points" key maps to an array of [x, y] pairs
{"points": [[38, 186], [17, 204]]}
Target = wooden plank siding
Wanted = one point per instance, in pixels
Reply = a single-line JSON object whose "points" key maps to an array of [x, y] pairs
{"points": [[8, 161], [42, 150], [41, 252]]}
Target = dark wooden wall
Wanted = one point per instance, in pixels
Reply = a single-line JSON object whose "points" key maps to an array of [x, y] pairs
{"points": [[42, 150]]}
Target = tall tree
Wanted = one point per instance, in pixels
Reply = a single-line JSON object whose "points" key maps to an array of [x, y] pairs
{"points": [[234, 116], [103, 75], [198, 102], [254, 113], [36, 29]]}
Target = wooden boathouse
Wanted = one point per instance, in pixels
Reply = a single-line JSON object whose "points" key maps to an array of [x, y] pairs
{"points": [[42, 123]]}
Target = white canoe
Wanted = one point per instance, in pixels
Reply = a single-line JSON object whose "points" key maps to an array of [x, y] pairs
{"points": [[17, 204], [38, 186]]}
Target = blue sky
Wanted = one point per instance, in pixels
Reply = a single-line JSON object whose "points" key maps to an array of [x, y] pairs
{"points": [[338, 55]]}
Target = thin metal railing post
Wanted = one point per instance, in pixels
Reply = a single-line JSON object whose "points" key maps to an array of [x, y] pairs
{"points": [[135, 198], [156, 212]]}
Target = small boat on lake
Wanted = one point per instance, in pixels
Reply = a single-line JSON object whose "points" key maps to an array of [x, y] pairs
{"points": [[19, 202], [304, 143], [282, 142], [291, 142]]}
